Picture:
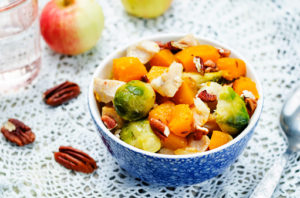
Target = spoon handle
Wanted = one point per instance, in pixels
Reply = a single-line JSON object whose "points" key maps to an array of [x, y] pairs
{"points": [[267, 185]]}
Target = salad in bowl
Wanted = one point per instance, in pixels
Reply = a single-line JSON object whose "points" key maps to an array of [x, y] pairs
{"points": [[175, 109], [179, 97]]}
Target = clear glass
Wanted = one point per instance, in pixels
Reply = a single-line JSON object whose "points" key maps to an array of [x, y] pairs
{"points": [[20, 51]]}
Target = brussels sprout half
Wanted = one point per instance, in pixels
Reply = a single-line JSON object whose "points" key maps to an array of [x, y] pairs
{"points": [[231, 113], [134, 100], [139, 134]]}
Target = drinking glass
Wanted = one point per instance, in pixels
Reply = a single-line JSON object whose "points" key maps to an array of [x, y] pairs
{"points": [[20, 51]]}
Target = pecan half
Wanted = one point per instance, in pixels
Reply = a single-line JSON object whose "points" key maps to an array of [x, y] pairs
{"points": [[251, 105], [224, 52], [61, 93], [210, 66], [210, 63], [159, 128], [17, 132], [198, 61], [206, 97], [109, 122], [75, 159], [199, 132], [170, 46]]}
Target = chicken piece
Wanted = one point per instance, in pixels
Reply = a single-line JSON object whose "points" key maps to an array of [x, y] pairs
{"points": [[144, 51], [195, 146], [166, 151], [105, 89], [247, 94], [200, 145], [200, 113], [169, 82], [187, 41], [211, 88]]}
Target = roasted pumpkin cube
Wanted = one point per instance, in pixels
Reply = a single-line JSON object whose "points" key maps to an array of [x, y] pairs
{"points": [[205, 52], [155, 72], [163, 58], [232, 67], [181, 120], [128, 68], [218, 139]]}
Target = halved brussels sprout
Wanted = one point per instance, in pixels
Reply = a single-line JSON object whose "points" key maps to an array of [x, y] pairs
{"points": [[231, 113], [139, 134], [211, 76], [134, 100]]}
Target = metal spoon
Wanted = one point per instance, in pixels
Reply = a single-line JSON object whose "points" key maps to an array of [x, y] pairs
{"points": [[290, 124]]}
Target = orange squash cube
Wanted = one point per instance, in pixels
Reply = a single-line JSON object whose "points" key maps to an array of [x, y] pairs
{"points": [[244, 83], [156, 71], [163, 58], [162, 112], [185, 93], [186, 56], [174, 142], [181, 120], [218, 139], [232, 67], [128, 68]]}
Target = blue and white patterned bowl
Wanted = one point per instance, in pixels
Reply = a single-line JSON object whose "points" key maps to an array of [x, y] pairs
{"points": [[172, 170]]}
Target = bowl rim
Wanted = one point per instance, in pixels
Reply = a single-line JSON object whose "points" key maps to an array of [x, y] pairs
{"points": [[92, 104]]}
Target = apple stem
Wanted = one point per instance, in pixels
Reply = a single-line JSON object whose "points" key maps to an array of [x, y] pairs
{"points": [[68, 2]]}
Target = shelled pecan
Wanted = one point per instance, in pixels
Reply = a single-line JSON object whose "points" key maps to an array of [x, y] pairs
{"points": [[61, 93], [17, 132], [109, 122], [251, 105], [224, 52], [210, 66], [206, 97], [199, 132], [173, 47], [159, 128], [198, 61], [75, 159]]}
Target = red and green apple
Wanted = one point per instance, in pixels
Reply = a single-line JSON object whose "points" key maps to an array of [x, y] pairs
{"points": [[71, 26]]}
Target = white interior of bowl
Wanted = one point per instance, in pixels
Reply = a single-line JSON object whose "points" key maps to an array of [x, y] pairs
{"points": [[105, 69]]}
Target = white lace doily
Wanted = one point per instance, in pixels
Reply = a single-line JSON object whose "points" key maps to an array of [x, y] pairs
{"points": [[266, 32]]}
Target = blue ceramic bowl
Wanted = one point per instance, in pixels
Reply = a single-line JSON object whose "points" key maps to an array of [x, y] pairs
{"points": [[172, 170]]}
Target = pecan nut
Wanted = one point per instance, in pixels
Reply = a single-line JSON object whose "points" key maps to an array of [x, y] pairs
{"points": [[159, 128], [75, 159], [173, 47], [210, 66], [198, 61], [210, 63], [61, 93], [251, 105], [109, 122], [199, 132], [224, 52], [17, 132], [206, 97]]}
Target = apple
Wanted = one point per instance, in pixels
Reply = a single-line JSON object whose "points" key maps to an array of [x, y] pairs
{"points": [[71, 26], [146, 8]]}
